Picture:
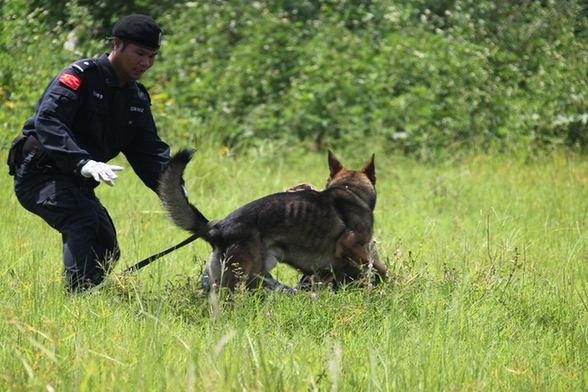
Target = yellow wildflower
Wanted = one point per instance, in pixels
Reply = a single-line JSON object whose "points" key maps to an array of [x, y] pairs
{"points": [[223, 150]]}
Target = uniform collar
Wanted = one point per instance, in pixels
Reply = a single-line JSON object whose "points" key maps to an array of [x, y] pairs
{"points": [[110, 76]]}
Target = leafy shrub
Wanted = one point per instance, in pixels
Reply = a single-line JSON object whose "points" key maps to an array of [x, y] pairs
{"points": [[417, 76]]}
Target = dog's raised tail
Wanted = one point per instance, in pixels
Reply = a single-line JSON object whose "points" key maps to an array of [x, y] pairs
{"points": [[173, 195]]}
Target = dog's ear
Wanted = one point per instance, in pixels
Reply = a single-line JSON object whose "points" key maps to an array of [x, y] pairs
{"points": [[370, 169], [334, 164]]}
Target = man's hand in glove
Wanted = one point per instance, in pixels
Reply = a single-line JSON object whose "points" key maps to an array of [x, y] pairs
{"points": [[101, 171]]}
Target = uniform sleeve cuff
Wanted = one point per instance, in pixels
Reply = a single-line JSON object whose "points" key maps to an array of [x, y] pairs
{"points": [[81, 163]]}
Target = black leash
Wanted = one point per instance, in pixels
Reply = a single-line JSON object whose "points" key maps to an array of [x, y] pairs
{"points": [[152, 258]]}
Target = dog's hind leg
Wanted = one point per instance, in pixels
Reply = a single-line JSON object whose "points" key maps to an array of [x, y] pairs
{"points": [[242, 268]]}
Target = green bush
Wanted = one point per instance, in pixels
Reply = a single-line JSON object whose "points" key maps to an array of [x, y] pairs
{"points": [[417, 76]]}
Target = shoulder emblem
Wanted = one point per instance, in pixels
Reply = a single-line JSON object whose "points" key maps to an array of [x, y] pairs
{"points": [[70, 80]]}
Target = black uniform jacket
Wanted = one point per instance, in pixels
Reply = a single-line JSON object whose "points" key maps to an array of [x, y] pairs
{"points": [[84, 114]]}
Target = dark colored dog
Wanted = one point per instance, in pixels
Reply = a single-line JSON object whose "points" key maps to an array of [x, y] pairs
{"points": [[321, 233]]}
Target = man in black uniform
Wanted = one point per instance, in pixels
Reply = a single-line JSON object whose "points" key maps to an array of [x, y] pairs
{"points": [[87, 115]]}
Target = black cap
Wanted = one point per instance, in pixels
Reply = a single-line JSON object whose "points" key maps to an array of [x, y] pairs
{"points": [[139, 30]]}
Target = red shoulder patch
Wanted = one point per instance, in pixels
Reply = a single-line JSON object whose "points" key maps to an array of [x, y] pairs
{"points": [[70, 80]]}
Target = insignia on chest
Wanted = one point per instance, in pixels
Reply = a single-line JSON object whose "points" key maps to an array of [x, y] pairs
{"points": [[136, 109], [98, 95]]}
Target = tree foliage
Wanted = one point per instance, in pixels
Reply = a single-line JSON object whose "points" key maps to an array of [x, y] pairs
{"points": [[419, 76]]}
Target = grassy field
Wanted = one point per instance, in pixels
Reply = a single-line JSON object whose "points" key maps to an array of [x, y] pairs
{"points": [[488, 289]]}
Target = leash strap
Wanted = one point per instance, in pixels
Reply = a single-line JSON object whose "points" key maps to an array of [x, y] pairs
{"points": [[156, 256]]}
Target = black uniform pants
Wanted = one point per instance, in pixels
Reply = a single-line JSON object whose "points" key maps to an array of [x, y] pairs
{"points": [[89, 236]]}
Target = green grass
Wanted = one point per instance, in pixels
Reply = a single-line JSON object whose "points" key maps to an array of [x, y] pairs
{"points": [[488, 289]]}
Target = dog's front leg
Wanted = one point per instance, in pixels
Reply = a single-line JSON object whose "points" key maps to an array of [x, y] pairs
{"points": [[349, 248]]}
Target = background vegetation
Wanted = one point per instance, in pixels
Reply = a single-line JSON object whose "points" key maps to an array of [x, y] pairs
{"points": [[487, 251], [422, 77]]}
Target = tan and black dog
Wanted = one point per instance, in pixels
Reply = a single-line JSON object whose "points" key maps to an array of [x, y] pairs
{"points": [[322, 233]]}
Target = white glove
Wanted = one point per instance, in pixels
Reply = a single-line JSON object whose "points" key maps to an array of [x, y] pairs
{"points": [[101, 171]]}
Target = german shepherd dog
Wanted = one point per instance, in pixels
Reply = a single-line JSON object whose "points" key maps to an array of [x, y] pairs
{"points": [[326, 233]]}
